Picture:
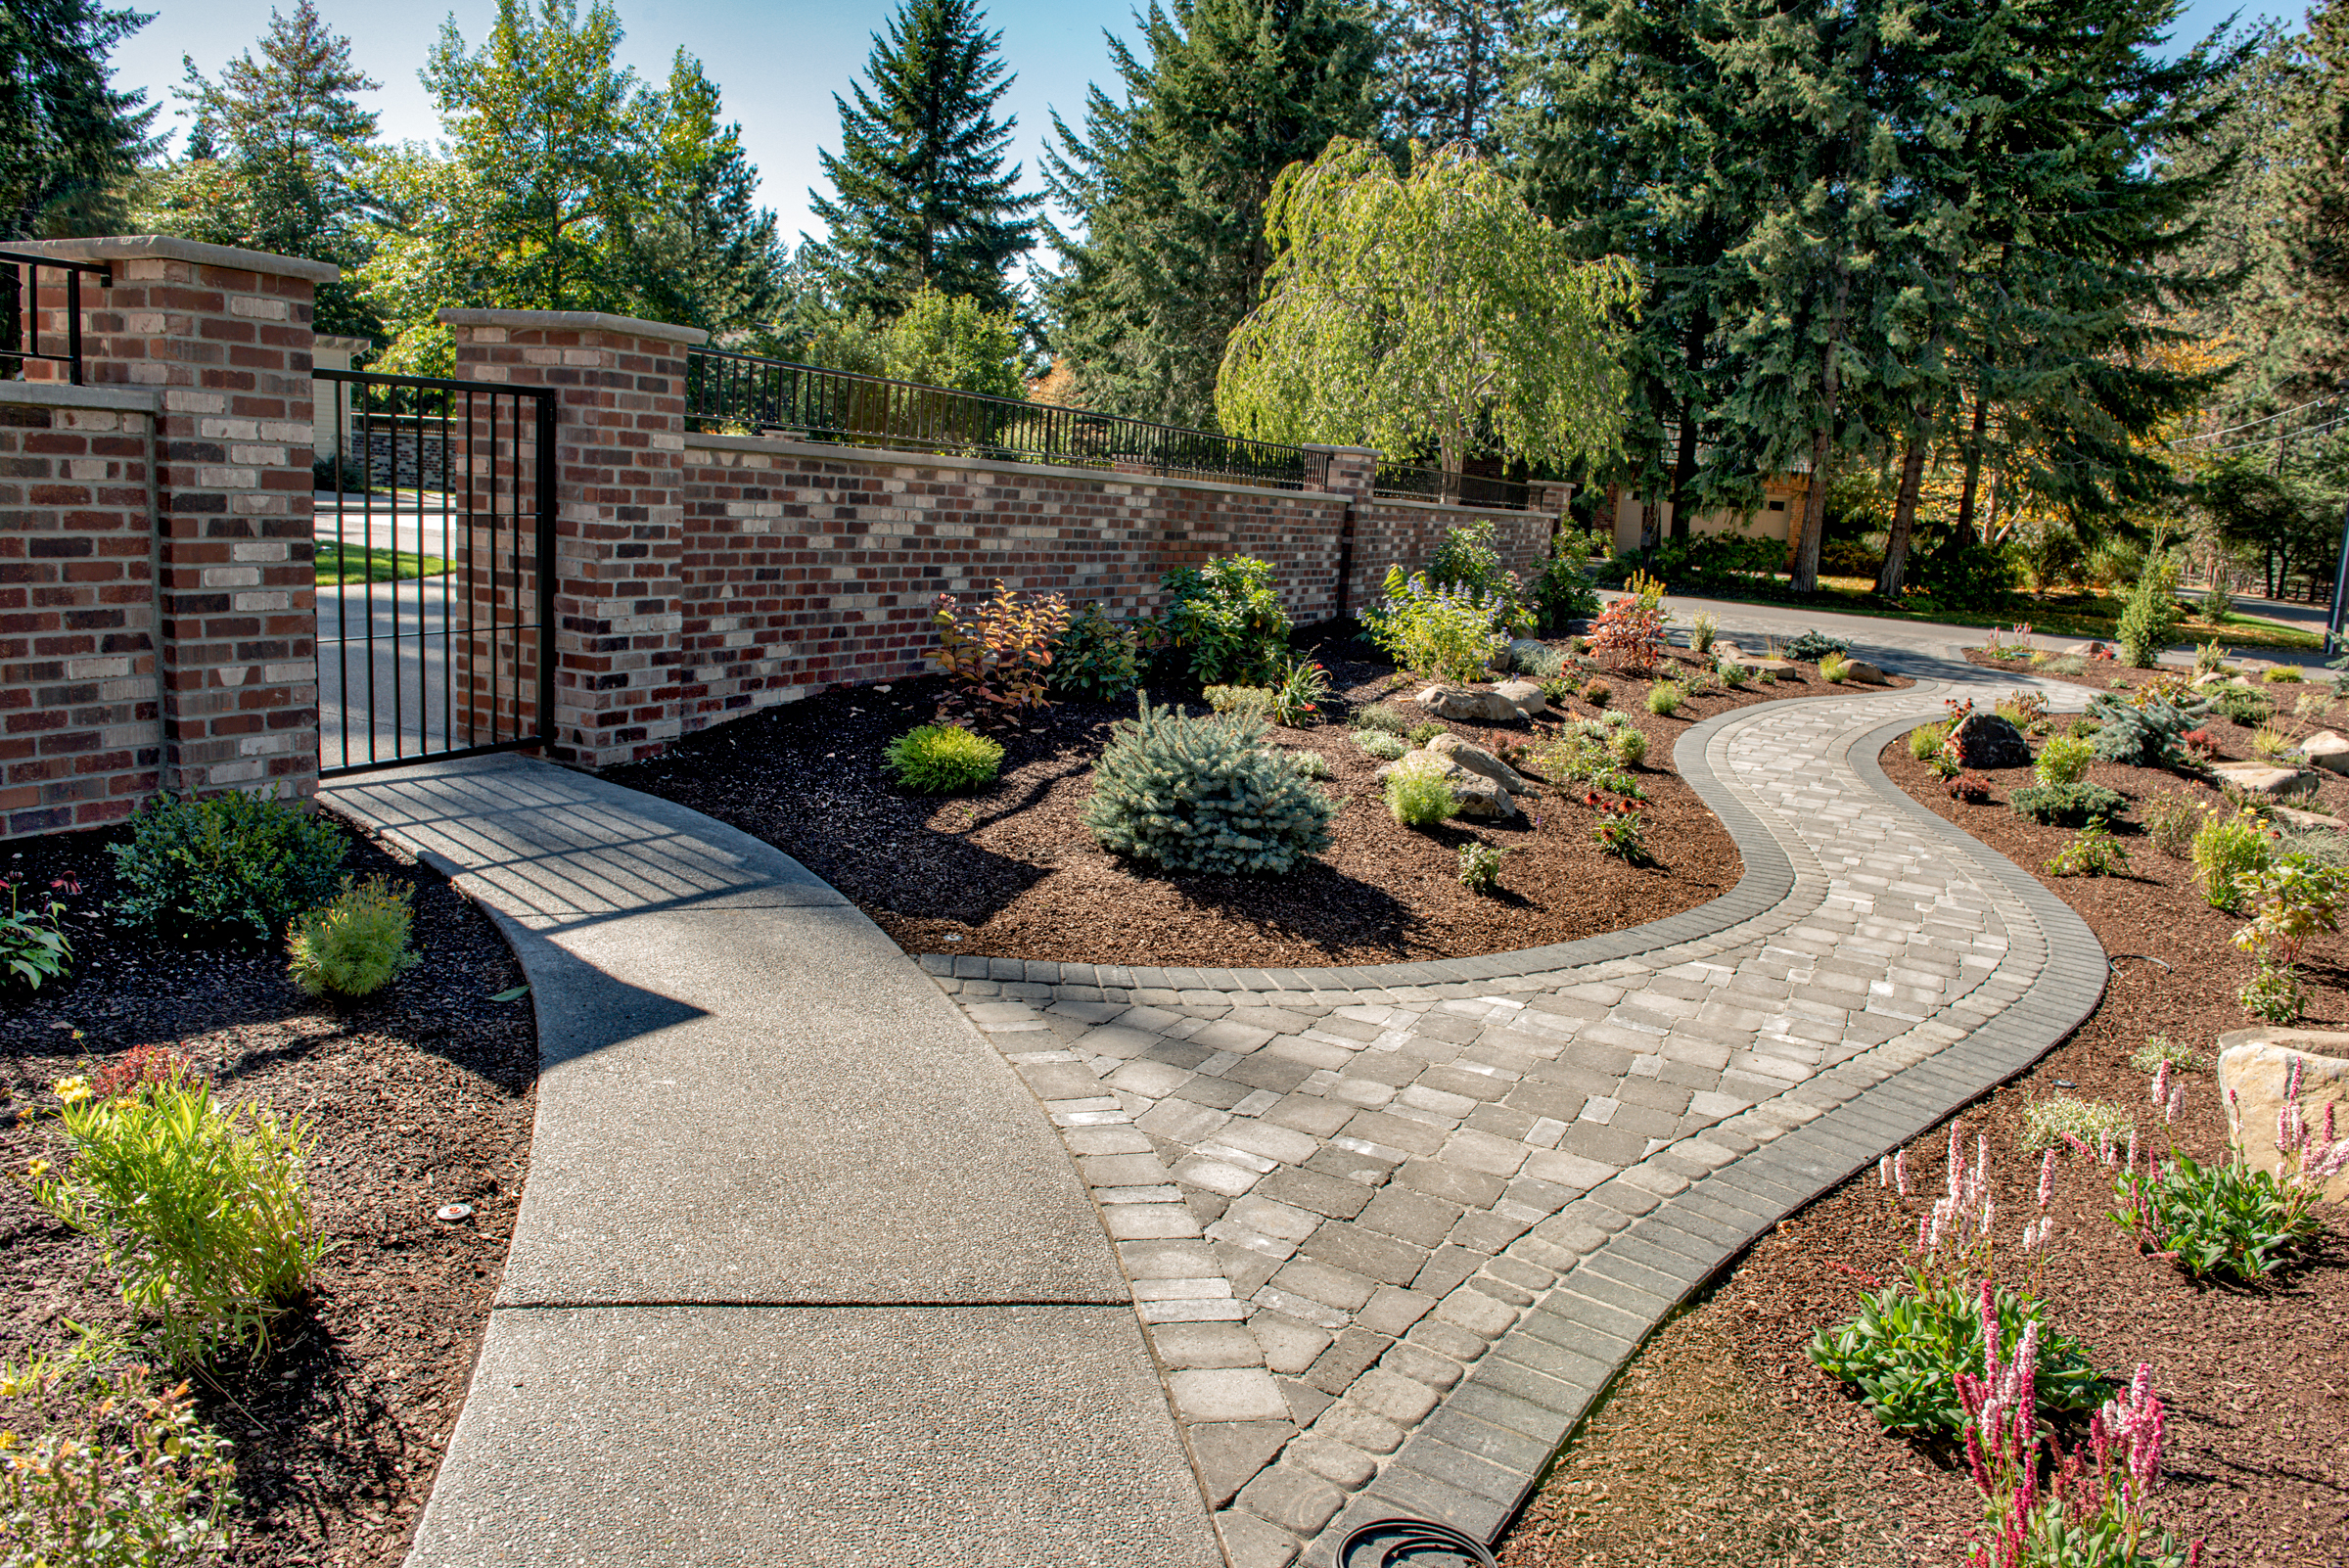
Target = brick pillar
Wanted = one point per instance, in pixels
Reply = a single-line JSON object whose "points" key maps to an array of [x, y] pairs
{"points": [[619, 448], [222, 337], [1350, 471], [82, 740]]}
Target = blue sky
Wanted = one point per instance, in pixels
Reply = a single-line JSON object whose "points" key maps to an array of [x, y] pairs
{"points": [[778, 63]]}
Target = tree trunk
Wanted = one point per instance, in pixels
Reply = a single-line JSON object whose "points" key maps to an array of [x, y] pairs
{"points": [[1802, 574], [1903, 515], [1973, 465], [1684, 465]]}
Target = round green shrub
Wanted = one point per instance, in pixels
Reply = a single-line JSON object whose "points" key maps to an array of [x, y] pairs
{"points": [[938, 758], [1665, 697], [1419, 798], [1381, 745], [2224, 848], [355, 946], [1094, 656], [1629, 744], [1309, 765], [1203, 795], [233, 866], [2064, 760], [1381, 718]]}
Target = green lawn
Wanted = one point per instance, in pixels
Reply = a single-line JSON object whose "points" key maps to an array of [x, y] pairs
{"points": [[340, 564]]}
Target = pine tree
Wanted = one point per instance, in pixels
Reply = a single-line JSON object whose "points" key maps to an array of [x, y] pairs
{"points": [[2316, 199], [921, 197], [274, 154], [1168, 187], [68, 139], [704, 253], [1448, 64]]}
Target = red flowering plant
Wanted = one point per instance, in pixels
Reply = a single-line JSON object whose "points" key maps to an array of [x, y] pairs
{"points": [[1969, 787]]}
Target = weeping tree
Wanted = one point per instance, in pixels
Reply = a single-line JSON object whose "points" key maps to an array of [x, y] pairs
{"points": [[1428, 307]]}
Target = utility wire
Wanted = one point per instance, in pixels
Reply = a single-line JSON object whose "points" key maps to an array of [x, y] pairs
{"points": [[2213, 435]]}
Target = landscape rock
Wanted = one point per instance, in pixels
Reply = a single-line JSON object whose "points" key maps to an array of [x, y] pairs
{"points": [[1477, 760], [2259, 778], [1730, 653], [1479, 796], [1986, 740], [2254, 1064], [1505, 702], [2302, 821], [2328, 750], [1860, 669]]}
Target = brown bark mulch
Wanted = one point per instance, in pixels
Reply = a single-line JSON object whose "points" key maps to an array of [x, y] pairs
{"points": [[2110, 674], [1009, 871], [420, 1099], [1723, 1445]]}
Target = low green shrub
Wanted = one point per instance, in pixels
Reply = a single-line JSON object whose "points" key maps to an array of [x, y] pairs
{"points": [[1449, 634], [2092, 852], [1419, 796], [1665, 697], [1309, 765], [1629, 746], [1094, 656], [2160, 1049], [2223, 1219], [2067, 805], [2242, 706], [1224, 623], [2064, 760], [1926, 741], [1908, 1343], [1203, 795], [1599, 694], [1617, 719], [1557, 689], [2281, 675], [203, 1213], [355, 944], [937, 759], [1480, 867], [1380, 717], [1379, 743], [1812, 646], [2226, 848], [1248, 701], [135, 1480], [2093, 1123], [32, 941], [1421, 733], [231, 867]]}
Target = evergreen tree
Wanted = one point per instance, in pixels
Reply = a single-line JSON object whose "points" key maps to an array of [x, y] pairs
{"points": [[921, 197], [68, 139], [706, 254], [2315, 195], [1448, 67], [1170, 187], [275, 151]]}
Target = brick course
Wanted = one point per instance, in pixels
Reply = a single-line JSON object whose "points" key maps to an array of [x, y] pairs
{"points": [[80, 736]]}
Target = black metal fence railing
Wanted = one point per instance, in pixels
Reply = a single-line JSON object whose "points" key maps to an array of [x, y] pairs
{"points": [[749, 394], [25, 295], [1404, 482]]}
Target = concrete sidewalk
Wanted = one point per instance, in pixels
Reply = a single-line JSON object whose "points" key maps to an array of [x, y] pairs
{"points": [[802, 1272]]}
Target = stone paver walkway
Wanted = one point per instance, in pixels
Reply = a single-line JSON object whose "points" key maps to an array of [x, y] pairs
{"points": [[1391, 1231]]}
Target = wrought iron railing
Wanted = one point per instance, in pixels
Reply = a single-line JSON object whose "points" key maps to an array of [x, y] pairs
{"points": [[21, 300], [751, 394], [1404, 482]]}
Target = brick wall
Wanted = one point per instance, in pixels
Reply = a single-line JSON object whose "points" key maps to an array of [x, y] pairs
{"points": [[80, 730], [221, 337], [806, 563]]}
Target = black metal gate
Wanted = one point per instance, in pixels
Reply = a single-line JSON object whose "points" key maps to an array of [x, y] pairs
{"points": [[436, 549]]}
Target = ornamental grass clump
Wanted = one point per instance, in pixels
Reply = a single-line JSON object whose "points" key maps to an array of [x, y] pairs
{"points": [[1907, 1347], [1203, 795], [2225, 849], [358, 943], [1419, 796], [1665, 697], [1248, 701], [2160, 1050], [231, 867], [1629, 746], [203, 1213], [2092, 852], [937, 759]]}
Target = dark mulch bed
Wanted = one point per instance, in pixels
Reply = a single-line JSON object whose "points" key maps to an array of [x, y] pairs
{"points": [[1782, 1466], [1009, 871], [2110, 674], [421, 1100]]}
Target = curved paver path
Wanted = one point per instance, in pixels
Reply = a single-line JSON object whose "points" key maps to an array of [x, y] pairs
{"points": [[1392, 1229]]}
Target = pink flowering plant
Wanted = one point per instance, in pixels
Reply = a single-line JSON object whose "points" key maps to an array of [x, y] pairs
{"points": [[2044, 1508], [1962, 1297], [2227, 1219]]}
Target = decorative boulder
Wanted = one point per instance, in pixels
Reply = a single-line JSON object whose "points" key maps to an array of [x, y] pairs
{"points": [[1524, 697], [1861, 671], [2258, 778], [2302, 821], [2255, 1064], [1479, 796], [2326, 750], [1985, 740], [1477, 760], [1730, 653], [1505, 704]]}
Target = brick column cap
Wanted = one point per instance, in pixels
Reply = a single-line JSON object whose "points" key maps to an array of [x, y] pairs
{"points": [[571, 321], [345, 346], [171, 248], [65, 395], [1316, 447]]}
